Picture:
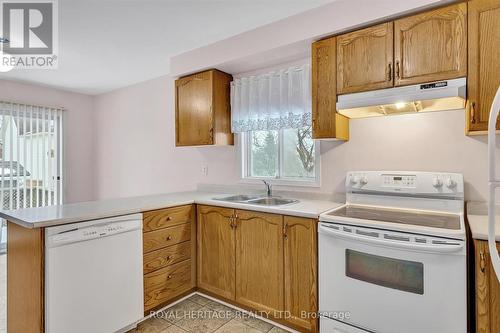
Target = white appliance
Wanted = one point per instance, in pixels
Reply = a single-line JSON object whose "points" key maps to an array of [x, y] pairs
{"points": [[493, 182], [393, 258], [93, 276], [432, 96]]}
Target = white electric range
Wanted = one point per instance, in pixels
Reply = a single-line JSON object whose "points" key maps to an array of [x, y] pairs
{"points": [[393, 258]]}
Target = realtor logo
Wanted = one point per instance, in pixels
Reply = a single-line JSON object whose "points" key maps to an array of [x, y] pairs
{"points": [[30, 29]]}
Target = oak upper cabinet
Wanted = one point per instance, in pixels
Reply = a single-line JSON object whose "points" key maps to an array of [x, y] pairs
{"points": [[364, 59], [431, 46], [301, 288], [326, 122], [216, 256], [487, 290], [259, 260], [202, 109], [484, 64]]}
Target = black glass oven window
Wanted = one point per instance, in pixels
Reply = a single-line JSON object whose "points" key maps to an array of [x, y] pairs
{"points": [[387, 272]]}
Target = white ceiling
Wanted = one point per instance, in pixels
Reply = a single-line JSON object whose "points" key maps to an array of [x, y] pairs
{"points": [[108, 44]]}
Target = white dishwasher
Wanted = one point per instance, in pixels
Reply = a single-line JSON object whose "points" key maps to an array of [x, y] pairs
{"points": [[93, 276]]}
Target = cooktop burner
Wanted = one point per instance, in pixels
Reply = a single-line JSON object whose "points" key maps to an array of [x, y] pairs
{"points": [[425, 219]]}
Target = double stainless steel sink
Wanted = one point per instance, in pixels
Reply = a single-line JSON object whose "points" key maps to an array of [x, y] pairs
{"points": [[257, 200]]}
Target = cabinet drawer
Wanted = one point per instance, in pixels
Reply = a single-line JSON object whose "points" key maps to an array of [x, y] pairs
{"points": [[166, 283], [158, 239], [159, 219], [166, 256]]}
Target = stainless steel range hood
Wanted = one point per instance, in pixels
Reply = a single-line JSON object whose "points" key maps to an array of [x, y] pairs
{"points": [[433, 96]]}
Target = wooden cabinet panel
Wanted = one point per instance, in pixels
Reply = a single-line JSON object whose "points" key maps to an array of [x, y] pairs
{"points": [[364, 59], [158, 239], [25, 279], [164, 284], [163, 218], [326, 122], [487, 290], [194, 110], [259, 260], [301, 264], [166, 256], [202, 112], [216, 251], [431, 46], [484, 66]]}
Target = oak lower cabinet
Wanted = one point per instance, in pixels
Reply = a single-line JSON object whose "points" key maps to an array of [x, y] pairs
{"points": [[301, 270], [202, 109], [216, 255], [326, 122], [484, 66], [169, 261], [487, 290], [260, 261]]}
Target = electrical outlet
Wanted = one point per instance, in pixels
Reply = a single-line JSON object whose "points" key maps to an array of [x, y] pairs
{"points": [[204, 170]]}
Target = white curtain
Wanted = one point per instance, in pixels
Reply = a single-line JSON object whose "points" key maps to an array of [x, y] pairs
{"points": [[30, 155], [272, 101]]}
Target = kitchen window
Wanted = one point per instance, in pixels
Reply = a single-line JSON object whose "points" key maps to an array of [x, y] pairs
{"points": [[287, 155], [272, 114]]}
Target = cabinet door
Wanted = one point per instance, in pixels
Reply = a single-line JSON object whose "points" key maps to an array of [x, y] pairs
{"points": [[193, 112], [484, 63], [487, 290], [259, 260], [364, 59], [431, 46], [301, 263], [216, 247], [326, 122]]}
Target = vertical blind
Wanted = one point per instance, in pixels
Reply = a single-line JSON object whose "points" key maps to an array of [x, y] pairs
{"points": [[31, 155], [277, 100]]}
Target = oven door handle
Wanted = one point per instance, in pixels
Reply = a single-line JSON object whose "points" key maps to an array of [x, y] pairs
{"points": [[438, 248]]}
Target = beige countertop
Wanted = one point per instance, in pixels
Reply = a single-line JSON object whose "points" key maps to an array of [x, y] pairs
{"points": [[477, 215], [92, 210]]}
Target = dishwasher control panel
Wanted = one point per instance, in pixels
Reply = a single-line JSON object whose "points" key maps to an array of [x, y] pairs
{"points": [[86, 233]]}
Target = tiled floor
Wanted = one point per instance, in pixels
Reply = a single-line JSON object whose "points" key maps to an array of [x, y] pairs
{"points": [[198, 314], [3, 293]]}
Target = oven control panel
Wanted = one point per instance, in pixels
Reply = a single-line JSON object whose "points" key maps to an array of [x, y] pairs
{"points": [[425, 183], [399, 180]]}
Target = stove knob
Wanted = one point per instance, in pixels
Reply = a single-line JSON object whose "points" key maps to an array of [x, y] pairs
{"points": [[353, 179], [437, 182], [450, 183], [363, 180]]}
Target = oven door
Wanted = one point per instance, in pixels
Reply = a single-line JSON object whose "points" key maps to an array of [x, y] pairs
{"points": [[391, 282]]}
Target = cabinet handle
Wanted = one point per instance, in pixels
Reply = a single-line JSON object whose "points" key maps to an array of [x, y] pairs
{"points": [[169, 218], [231, 222], [482, 262], [397, 70], [169, 277], [285, 231], [472, 110], [235, 219], [389, 72], [169, 238], [170, 257]]}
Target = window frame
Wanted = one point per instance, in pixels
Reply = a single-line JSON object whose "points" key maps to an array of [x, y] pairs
{"points": [[243, 141]]}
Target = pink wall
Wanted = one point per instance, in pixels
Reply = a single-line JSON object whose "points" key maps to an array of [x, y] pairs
{"points": [[136, 152], [290, 38], [78, 135]]}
